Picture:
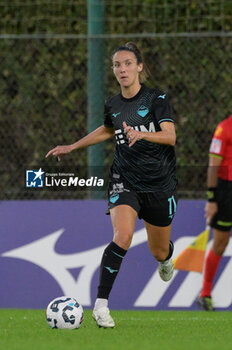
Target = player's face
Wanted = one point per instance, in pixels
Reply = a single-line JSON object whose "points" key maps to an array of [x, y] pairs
{"points": [[126, 68]]}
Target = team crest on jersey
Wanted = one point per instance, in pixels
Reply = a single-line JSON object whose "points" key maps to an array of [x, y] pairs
{"points": [[143, 111]]}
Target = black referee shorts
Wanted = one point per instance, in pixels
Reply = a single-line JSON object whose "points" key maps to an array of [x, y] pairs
{"points": [[156, 208], [222, 220]]}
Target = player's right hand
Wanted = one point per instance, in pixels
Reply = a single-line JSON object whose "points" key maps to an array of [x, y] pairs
{"points": [[59, 151], [132, 134]]}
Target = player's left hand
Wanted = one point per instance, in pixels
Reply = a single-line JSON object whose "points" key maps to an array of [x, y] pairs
{"points": [[132, 135], [211, 208]]}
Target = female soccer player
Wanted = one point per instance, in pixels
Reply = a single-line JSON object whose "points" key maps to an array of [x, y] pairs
{"points": [[218, 209], [142, 176]]}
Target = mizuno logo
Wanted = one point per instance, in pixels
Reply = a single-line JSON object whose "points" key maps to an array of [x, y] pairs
{"points": [[162, 96], [116, 114], [110, 270], [152, 294]]}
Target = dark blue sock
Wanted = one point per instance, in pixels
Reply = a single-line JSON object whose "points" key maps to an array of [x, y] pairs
{"points": [[171, 249], [110, 265]]}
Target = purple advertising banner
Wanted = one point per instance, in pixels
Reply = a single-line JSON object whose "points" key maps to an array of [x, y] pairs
{"points": [[54, 248]]}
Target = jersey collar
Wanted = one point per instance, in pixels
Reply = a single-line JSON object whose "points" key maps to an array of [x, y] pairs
{"points": [[134, 97]]}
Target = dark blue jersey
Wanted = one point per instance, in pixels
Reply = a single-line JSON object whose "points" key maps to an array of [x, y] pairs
{"points": [[146, 166]]}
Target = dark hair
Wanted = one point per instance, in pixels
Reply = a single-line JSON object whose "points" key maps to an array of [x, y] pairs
{"points": [[132, 47]]}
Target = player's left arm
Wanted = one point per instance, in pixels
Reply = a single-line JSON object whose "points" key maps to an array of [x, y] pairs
{"points": [[166, 136], [211, 206]]}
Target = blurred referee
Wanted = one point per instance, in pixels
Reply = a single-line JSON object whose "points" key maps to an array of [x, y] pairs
{"points": [[218, 210]]}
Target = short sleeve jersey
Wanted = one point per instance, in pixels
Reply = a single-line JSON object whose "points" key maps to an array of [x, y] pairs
{"points": [[146, 166], [221, 146]]}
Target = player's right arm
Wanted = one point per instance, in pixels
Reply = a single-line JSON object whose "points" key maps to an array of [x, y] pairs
{"points": [[99, 135]]}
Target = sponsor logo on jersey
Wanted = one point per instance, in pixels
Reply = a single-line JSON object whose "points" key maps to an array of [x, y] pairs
{"points": [[162, 96], [215, 146], [118, 187], [119, 135], [143, 111]]}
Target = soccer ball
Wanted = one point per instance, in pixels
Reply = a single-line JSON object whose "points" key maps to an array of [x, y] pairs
{"points": [[64, 313]]}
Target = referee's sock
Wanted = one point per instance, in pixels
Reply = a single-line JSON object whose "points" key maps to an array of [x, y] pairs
{"points": [[211, 265], [110, 265]]}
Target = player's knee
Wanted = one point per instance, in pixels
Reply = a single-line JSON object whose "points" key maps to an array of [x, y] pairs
{"points": [[123, 239]]}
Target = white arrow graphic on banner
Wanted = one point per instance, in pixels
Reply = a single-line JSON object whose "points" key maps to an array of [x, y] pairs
{"points": [[42, 253]]}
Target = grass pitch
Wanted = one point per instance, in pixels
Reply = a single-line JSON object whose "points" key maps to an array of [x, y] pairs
{"points": [[145, 330]]}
